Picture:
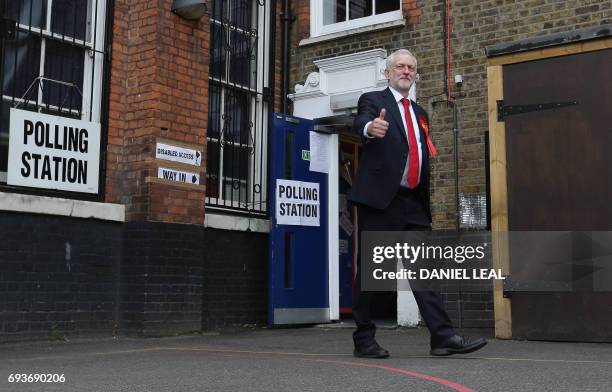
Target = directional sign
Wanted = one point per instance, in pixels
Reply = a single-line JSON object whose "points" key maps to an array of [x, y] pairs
{"points": [[178, 175], [178, 154]]}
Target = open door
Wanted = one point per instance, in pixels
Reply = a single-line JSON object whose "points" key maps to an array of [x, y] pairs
{"points": [[299, 257]]}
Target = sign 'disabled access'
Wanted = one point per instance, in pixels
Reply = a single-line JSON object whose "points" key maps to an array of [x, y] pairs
{"points": [[172, 153]]}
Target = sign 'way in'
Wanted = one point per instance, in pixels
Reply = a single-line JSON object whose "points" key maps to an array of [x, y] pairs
{"points": [[178, 175], [297, 203]]}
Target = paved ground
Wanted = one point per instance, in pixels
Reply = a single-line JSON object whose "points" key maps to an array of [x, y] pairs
{"points": [[304, 359]]}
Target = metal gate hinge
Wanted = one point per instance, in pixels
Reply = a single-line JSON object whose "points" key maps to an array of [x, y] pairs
{"points": [[510, 110]]}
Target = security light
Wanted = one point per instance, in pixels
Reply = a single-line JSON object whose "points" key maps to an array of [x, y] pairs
{"points": [[189, 9]]}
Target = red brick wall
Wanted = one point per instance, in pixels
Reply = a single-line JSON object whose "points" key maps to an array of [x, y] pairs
{"points": [[411, 11], [159, 88], [302, 26]]}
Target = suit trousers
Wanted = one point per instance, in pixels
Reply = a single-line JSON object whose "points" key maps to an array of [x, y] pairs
{"points": [[399, 216]]}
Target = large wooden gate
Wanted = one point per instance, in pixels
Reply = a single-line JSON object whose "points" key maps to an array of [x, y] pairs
{"points": [[551, 170]]}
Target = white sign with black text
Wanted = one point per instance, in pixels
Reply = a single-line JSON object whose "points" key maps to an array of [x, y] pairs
{"points": [[53, 152], [178, 175], [178, 154], [297, 203]]}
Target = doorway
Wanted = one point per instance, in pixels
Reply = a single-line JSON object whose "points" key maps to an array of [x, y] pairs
{"points": [[551, 171], [384, 307]]}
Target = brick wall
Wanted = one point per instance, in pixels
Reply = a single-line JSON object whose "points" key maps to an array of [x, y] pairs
{"points": [[65, 277], [236, 280], [475, 25], [159, 88], [144, 277], [58, 277], [161, 278]]}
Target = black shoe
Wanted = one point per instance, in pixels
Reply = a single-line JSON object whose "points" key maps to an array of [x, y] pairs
{"points": [[458, 345], [371, 350]]}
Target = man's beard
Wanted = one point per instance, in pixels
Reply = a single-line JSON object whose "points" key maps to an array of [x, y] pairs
{"points": [[410, 83]]}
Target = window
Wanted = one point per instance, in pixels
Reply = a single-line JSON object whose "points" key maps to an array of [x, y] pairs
{"points": [[238, 113], [330, 16], [54, 65]]}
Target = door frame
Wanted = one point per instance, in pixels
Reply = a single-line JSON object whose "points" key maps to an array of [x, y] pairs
{"points": [[497, 58]]}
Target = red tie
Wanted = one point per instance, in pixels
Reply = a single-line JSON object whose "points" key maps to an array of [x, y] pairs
{"points": [[413, 149]]}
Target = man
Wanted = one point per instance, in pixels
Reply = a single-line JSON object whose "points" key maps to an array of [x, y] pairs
{"points": [[391, 190]]}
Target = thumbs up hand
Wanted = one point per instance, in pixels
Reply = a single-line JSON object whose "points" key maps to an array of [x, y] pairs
{"points": [[378, 127]]}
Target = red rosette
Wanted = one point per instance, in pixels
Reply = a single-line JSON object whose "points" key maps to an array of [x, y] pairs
{"points": [[423, 123]]}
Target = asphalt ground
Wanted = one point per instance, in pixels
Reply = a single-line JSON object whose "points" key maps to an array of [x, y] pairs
{"points": [[303, 359]]}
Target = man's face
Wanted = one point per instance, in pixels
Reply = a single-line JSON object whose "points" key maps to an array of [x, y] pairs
{"points": [[402, 73]]}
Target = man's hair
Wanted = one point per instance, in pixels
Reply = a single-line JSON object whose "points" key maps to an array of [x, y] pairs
{"points": [[391, 57]]}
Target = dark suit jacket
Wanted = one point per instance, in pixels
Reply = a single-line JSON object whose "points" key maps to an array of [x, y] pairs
{"points": [[383, 161]]}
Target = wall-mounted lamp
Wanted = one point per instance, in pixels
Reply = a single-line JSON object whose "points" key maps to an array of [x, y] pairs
{"points": [[189, 9]]}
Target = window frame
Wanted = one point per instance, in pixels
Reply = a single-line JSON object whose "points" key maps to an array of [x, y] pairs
{"points": [[93, 93], [256, 146], [317, 28]]}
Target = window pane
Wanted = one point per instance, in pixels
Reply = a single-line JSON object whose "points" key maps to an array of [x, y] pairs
{"points": [[5, 109], [63, 63], [383, 6], [4, 133], [219, 10], [69, 18], [235, 190], [27, 12], [4, 119], [360, 8], [21, 65], [212, 169], [242, 13], [237, 111], [334, 11], [3, 154], [242, 69], [218, 52], [214, 111], [235, 164]]}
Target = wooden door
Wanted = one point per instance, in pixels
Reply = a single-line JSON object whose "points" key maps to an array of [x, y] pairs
{"points": [[559, 177]]}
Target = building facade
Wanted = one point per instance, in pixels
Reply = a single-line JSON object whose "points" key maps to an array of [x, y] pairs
{"points": [[448, 38], [180, 107], [162, 227]]}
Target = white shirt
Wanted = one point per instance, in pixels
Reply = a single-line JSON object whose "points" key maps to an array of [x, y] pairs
{"points": [[398, 98]]}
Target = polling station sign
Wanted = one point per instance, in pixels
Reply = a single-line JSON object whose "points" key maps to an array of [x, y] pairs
{"points": [[297, 203], [52, 152]]}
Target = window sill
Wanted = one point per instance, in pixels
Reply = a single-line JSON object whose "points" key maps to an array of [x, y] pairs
{"points": [[236, 223], [358, 30], [16, 202]]}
